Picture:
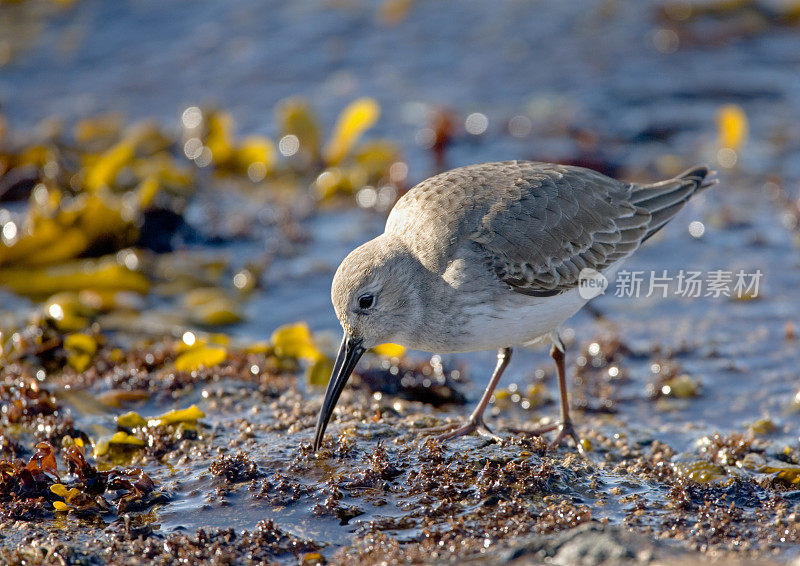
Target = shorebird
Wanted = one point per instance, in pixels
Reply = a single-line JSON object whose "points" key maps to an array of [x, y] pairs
{"points": [[490, 257]]}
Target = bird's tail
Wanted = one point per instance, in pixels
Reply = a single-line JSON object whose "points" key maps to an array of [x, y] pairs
{"points": [[664, 199]]}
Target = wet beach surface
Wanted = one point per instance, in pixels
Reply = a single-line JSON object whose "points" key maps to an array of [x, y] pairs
{"points": [[689, 406]]}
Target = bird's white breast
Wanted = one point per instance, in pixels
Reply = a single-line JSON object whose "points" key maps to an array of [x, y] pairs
{"points": [[518, 321]]}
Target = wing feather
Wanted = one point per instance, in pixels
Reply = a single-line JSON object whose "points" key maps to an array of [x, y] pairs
{"points": [[566, 220], [535, 225]]}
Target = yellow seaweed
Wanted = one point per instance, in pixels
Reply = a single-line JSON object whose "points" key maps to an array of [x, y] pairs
{"points": [[164, 169], [376, 157], [389, 350], [200, 296], [105, 214], [212, 306], [62, 491], [120, 440], [131, 419], [219, 312], [763, 426], [785, 474], [189, 415], [319, 373], [536, 395], [81, 343], [147, 191], [104, 127], [294, 117], [702, 471], [330, 182], [682, 386], [45, 233], [207, 356], [311, 558], [38, 155], [255, 150], [68, 303], [219, 338], [732, 126], [67, 322], [219, 138], [72, 493], [80, 350], [354, 120], [98, 274], [294, 341], [263, 347], [70, 243], [103, 172], [124, 439], [101, 447], [59, 229]]}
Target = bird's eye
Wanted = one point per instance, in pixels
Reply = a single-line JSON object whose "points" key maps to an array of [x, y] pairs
{"points": [[366, 301]]}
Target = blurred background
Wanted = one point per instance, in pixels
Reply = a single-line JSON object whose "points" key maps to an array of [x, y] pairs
{"points": [[172, 168], [196, 171], [219, 116]]}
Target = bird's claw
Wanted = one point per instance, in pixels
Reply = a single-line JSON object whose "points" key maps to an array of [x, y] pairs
{"points": [[565, 430], [474, 424]]}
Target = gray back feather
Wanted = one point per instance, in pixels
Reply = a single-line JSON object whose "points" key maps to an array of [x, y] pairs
{"points": [[536, 224]]}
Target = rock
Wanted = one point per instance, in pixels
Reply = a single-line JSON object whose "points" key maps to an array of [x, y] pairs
{"points": [[592, 544]]}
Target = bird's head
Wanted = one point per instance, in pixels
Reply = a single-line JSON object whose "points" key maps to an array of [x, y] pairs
{"points": [[376, 301], [373, 293]]}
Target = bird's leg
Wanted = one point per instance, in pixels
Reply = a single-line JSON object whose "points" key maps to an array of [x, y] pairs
{"points": [[564, 426], [475, 421]]}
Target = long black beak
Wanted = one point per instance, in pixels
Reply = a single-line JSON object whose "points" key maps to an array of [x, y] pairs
{"points": [[349, 353]]}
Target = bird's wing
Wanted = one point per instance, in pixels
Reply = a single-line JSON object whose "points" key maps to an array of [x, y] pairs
{"points": [[555, 221], [538, 224]]}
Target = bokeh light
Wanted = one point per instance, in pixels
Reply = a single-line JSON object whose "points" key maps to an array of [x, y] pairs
{"points": [[476, 123]]}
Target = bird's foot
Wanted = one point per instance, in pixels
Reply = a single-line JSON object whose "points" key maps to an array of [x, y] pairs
{"points": [[565, 430], [473, 424]]}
